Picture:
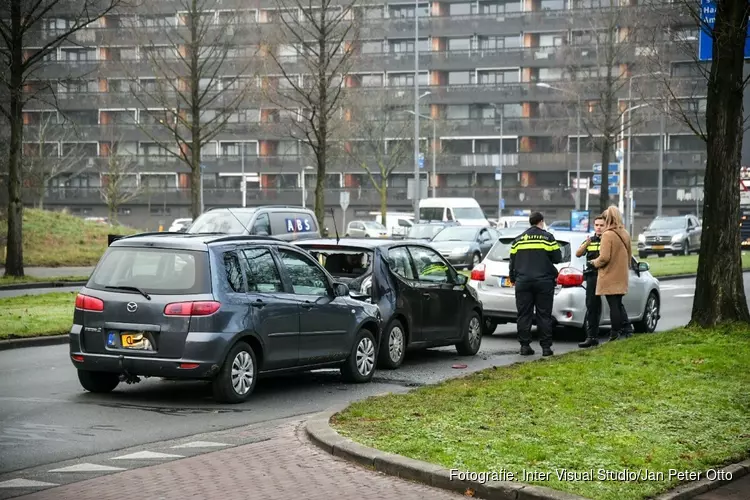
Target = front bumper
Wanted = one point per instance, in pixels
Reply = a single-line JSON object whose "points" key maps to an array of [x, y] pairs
{"points": [[660, 248]]}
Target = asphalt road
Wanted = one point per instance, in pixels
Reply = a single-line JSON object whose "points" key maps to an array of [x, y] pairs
{"points": [[45, 416]]}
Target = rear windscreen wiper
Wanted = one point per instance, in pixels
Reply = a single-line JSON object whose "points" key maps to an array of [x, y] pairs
{"points": [[129, 289]]}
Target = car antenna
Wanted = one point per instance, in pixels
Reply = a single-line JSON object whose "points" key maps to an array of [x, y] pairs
{"points": [[334, 226], [238, 220]]}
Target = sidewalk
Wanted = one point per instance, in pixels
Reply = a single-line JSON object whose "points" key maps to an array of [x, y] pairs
{"points": [[283, 467]]}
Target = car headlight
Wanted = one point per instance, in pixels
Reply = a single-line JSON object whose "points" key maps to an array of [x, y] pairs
{"points": [[366, 288], [641, 238], [460, 250], [677, 237]]}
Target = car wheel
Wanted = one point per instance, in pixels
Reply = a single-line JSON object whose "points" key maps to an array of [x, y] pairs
{"points": [[686, 248], [98, 382], [360, 365], [642, 255], [238, 375], [475, 260], [346, 235], [661, 255], [489, 327], [392, 346], [472, 339], [650, 317], [367, 235]]}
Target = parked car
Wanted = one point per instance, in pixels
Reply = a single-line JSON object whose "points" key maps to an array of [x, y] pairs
{"points": [[285, 223], [180, 225], [465, 211], [423, 301], [218, 308], [366, 229], [559, 225], [678, 235], [465, 246], [490, 280], [513, 221], [397, 224], [427, 231]]}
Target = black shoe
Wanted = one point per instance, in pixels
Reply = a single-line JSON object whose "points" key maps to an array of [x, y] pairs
{"points": [[628, 331], [614, 336], [526, 350], [546, 351], [589, 342]]}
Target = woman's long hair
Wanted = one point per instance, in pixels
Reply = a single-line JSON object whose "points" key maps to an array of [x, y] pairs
{"points": [[612, 218]]}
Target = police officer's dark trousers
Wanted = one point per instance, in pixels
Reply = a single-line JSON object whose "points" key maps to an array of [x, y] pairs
{"points": [[531, 296], [593, 306]]}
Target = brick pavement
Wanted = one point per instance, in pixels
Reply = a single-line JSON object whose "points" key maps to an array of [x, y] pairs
{"points": [[285, 466]]}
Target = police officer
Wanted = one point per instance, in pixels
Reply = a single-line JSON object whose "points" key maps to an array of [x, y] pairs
{"points": [[590, 247], [533, 256]]}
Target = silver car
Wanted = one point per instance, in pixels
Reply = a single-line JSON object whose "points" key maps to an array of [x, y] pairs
{"points": [[366, 229], [490, 280], [678, 235]]}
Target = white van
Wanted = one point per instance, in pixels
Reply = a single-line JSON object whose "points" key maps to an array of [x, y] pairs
{"points": [[465, 211], [397, 223]]}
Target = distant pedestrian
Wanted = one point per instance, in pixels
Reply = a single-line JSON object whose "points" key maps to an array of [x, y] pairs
{"points": [[613, 265], [533, 256]]}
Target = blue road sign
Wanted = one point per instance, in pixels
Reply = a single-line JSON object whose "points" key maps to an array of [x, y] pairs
{"points": [[705, 40], [613, 167], [596, 179], [613, 179], [502, 204], [597, 168], [614, 190], [421, 160]]}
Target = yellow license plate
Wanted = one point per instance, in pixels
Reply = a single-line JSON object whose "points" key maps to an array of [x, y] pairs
{"points": [[132, 340], [506, 283], [658, 247]]}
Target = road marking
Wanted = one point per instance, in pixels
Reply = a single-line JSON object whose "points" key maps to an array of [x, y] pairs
{"points": [[147, 455], [684, 295], [88, 468], [201, 444], [676, 287], [25, 483]]}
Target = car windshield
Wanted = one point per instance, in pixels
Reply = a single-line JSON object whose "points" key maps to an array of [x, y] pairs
{"points": [[456, 234], [374, 225], [424, 231], [501, 250], [468, 213], [667, 223], [222, 221], [155, 271]]}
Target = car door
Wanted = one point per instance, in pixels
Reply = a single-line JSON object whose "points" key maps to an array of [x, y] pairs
{"points": [[635, 300], [441, 304], [484, 239], [271, 311], [694, 233], [408, 294], [325, 320]]}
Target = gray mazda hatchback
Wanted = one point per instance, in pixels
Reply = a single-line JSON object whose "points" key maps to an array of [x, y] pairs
{"points": [[220, 308]]}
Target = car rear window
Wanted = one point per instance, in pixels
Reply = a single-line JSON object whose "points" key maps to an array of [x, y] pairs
{"points": [[153, 270], [221, 221], [342, 263]]}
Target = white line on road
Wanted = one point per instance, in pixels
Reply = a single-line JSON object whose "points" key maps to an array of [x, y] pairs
{"points": [[684, 295], [146, 455], [25, 483], [200, 444], [88, 468]]}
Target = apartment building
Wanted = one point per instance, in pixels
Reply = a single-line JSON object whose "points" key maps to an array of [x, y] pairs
{"points": [[481, 64]]}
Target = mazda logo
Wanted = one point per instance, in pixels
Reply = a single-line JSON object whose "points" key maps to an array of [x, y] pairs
{"points": [[132, 307]]}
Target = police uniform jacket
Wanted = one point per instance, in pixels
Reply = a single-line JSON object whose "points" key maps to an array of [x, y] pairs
{"points": [[533, 256], [592, 253]]}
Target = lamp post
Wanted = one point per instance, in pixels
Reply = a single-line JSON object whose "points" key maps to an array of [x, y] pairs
{"points": [[434, 146], [417, 190], [629, 209], [304, 189], [243, 186], [578, 133]]}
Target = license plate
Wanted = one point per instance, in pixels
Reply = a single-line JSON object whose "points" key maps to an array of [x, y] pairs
{"points": [[658, 247], [133, 340], [505, 282]]}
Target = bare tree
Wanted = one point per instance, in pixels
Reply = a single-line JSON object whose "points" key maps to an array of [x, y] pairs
{"points": [[21, 25], [48, 158], [201, 77], [120, 183], [322, 35]]}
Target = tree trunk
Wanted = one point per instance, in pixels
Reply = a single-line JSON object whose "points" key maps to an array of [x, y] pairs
{"points": [[195, 184], [14, 255], [719, 286], [383, 200], [320, 193], [604, 188]]}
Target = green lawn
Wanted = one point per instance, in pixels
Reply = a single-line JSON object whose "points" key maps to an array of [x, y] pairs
{"points": [[36, 315], [56, 239], [674, 400], [10, 280]]}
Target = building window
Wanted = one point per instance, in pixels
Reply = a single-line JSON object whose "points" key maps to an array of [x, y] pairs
{"points": [[407, 11], [493, 43], [499, 7], [497, 77]]}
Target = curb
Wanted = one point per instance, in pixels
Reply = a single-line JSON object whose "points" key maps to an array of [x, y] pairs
{"points": [[691, 490], [323, 436], [34, 342], [685, 276], [42, 284]]}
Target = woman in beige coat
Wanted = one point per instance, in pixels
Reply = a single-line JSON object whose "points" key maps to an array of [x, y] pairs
{"points": [[613, 264]]}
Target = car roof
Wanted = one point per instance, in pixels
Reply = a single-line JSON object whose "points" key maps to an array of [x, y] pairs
{"points": [[271, 208], [188, 241], [363, 243]]}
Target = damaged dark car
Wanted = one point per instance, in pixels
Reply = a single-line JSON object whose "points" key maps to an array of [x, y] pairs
{"points": [[423, 301]]}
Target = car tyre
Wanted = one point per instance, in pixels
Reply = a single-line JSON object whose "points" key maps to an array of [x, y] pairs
{"points": [[686, 248], [476, 259], [650, 317], [238, 375], [642, 255], [359, 367], [472, 338], [392, 346], [98, 382], [489, 327]]}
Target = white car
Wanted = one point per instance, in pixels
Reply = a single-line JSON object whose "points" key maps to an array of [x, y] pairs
{"points": [[179, 225], [366, 229], [490, 280]]}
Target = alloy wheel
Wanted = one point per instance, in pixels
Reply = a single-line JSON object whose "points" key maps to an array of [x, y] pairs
{"points": [[395, 344], [652, 313], [365, 356], [242, 372], [475, 332]]}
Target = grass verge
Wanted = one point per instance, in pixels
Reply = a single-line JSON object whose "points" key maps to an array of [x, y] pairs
{"points": [[36, 315], [675, 400], [56, 239], [11, 280], [682, 264]]}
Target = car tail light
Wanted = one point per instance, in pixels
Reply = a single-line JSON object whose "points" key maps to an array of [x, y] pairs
{"points": [[87, 303], [191, 308], [477, 274], [570, 276]]}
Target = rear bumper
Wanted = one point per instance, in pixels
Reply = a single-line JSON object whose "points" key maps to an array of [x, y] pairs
{"points": [[568, 309], [206, 350], [459, 261]]}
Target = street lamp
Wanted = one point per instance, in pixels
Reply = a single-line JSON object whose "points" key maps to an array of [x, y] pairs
{"points": [[578, 142], [434, 148], [417, 189], [501, 163], [304, 191]]}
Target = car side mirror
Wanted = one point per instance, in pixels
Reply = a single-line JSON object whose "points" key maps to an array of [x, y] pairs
{"points": [[461, 279], [643, 267], [340, 290]]}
